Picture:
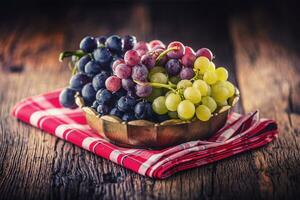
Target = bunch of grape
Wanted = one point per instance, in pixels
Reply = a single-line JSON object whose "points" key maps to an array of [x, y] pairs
{"points": [[138, 80]]}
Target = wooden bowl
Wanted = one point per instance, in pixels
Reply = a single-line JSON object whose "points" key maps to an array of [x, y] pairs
{"points": [[146, 134]]}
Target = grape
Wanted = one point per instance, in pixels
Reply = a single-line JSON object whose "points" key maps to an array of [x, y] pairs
{"points": [[201, 86], [126, 103], [192, 94], [123, 71], [189, 57], [143, 110], [203, 113], [95, 105], [143, 90], [156, 92], [174, 79], [103, 109], [173, 115], [101, 40], [159, 105], [202, 64], [186, 110], [148, 60], [88, 94], [140, 73], [80, 64], [132, 58], [208, 90], [104, 96], [222, 103], [211, 67], [116, 63], [159, 78], [172, 101], [163, 60], [173, 67], [116, 112], [67, 99], [210, 77], [88, 44], [92, 68], [156, 43], [179, 52], [128, 42], [118, 94], [210, 103], [187, 73], [114, 44], [99, 80], [230, 87], [78, 81], [161, 118], [113, 83], [184, 84], [222, 73], [132, 93], [102, 55], [220, 93], [128, 84], [156, 69], [129, 116], [205, 52], [141, 47]]}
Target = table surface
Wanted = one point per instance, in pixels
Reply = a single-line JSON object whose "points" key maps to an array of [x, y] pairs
{"points": [[261, 50]]}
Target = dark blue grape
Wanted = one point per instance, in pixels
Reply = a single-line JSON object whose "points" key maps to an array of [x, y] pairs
{"points": [[128, 42], [173, 67], [80, 64], [95, 105], [89, 94], [103, 56], [114, 44], [67, 99], [101, 40], [118, 94], [129, 116], [92, 68], [78, 81], [104, 96], [99, 80], [88, 44], [103, 109], [143, 110], [132, 93], [160, 118], [126, 103], [116, 112]]}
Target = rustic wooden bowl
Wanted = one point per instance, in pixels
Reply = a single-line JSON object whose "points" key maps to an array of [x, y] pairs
{"points": [[146, 134]]}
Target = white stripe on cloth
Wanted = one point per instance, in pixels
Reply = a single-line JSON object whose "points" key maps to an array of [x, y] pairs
{"points": [[86, 143], [115, 154], [61, 129]]}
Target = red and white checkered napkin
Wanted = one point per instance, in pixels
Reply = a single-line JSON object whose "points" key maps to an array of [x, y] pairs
{"points": [[240, 134]]}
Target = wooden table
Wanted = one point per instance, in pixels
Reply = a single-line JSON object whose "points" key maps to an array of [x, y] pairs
{"points": [[260, 48]]}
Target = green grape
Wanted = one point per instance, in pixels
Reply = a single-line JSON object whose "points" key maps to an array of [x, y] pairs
{"points": [[192, 94], [230, 87], [220, 93], [172, 101], [156, 92], [203, 113], [211, 66], [173, 115], [159, 77], [202, 63], [156, 70], [186, 110], [201, 86], [208, 90], [222, 103], [222, 73], [184, 84], [174, 79], [210, 103], [210, 77], [159, 106]]}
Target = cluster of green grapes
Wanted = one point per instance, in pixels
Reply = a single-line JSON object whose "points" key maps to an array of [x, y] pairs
{"points": [[200, 96]]}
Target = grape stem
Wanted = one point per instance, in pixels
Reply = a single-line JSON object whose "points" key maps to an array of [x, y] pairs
{"points": [[164, 53], [66, 54], [156, 85]]}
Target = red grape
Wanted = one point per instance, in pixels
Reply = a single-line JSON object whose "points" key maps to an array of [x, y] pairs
{"points": [[140, 73], [141, 47], [128, 84], [123, 71], [164, 59], [179, 52], [113, 83], [205, 52], [143, 90], [189, 57], [116, 62], [156, 43], [187, 73], [132, 58], [148, 60]]}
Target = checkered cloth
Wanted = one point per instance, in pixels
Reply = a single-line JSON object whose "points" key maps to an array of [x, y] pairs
{"points": [[241, 133]]}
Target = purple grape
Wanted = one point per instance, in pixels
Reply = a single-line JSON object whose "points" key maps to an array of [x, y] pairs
{"points": [[187, 73], [128, 42], [179, 52], [128, 84], [148, 60], [143, 90], [140, 73], [132, 58], [141, 47], [123, 71], [173, 67]]}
